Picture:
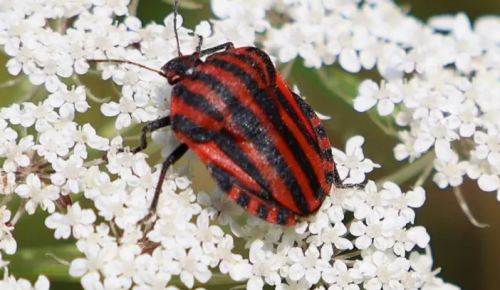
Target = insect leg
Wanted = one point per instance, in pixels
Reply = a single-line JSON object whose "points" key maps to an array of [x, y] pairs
{"points": [[200, 43], [150, 127], [224, 46], [171, 159], [339, 184]]}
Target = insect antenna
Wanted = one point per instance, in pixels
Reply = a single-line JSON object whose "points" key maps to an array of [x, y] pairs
{"points": [[128, 62], [176, 12], [200, 43]]}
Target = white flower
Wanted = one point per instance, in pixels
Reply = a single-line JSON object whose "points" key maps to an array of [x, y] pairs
{"points": [[206, 234], [129, 108], [100, 238], [339, 276], [238, 268], [87, 135], [488, 146], [407, 148], [449, 173], [9, 282], [422, 264], [332, 236], [466, 119], [376, 230], [52, 145], [38, 194], [89, 267], [436, 132], [16, 154], [467, 44], [262, 267], [219, 205], [7, 134], [306, 264], [76, 221], [52, 66], [7, 241], [42, 116], [353, 162], [193, 267], [383, 269], [113, 207], [7, 182], [403, 202], [75, 99], [385, 98], [68, 174]]}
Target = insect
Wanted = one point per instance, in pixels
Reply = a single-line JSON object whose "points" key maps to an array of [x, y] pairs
{"points": [[262, 143]]}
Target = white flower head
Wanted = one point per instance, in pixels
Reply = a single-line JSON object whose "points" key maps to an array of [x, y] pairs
{"points": [[77, 222], [352, 165], [38, 194]]}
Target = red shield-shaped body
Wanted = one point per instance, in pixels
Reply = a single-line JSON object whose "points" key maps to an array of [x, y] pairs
{"points": [[262, 143]]}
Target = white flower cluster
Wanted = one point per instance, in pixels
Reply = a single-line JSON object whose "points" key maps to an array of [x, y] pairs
{"points": [[359, 34], [444, 97], [9, 282], [361, 238]]}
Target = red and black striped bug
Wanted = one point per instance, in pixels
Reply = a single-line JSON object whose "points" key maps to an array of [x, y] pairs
{"points": [[263, 144]]}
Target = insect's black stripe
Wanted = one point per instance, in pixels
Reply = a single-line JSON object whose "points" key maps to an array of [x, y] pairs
{"points": [[247, 58], [256, 133], [293, 114], [196, 101], [267, 61], [327, 153], [270, 109], [329, 176], [304, 107], [243, 200], [320, 131], [283, 216], [328, 157], [226, 182], [183, 124], [308, 111], [229, 146], [262, 212]]}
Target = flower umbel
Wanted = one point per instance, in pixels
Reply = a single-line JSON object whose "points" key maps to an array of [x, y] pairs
{"points": [[59, 161]]}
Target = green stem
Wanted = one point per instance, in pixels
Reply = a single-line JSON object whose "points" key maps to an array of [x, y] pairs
{"points": [[466, 210], [334, 86], [90, 95], [132, 7], [287, 69], [13, 82], [410, 171], [423, 177], [49, 261], [389, 131]]}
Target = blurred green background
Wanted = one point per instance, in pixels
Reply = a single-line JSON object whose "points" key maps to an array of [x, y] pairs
{"points": [[469, 256]]}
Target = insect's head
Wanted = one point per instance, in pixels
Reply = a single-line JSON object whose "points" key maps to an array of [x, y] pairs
{"points": [[179, 67]]}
